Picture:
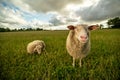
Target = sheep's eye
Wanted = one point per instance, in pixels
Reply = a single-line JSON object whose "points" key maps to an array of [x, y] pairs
{"points": [[87, 33], [78, 30]]}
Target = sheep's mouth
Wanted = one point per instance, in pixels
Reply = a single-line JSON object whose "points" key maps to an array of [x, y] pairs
{"points": [[83, 40]]}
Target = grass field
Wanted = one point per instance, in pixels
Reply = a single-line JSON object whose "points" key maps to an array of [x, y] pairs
{"points": [[103, 62]]}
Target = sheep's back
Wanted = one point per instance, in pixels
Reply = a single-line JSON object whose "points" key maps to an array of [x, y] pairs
{"points": [[32, 45]]}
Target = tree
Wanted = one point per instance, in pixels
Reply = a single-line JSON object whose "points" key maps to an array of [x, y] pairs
{"points": [[101, 26], [114, 23], [39, 29], [2, 29], [5, 30]]}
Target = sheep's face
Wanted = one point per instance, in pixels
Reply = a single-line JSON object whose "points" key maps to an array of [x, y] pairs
{"points": [[81, 32], [38, 49]]}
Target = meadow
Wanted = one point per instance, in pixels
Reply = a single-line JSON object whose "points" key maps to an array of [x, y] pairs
{"points": [[102, 63]]}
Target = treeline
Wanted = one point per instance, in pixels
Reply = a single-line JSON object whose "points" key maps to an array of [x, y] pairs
{"points": [[112, 23], [22, 29]]}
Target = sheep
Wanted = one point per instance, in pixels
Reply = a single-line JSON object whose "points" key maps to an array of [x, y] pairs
{"points": [[36, 46], [78, 42]]}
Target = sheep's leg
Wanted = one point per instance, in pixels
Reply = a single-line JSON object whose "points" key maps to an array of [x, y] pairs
{"points": [[38, 51], [80, 63], [45, 51], [73, 62]]}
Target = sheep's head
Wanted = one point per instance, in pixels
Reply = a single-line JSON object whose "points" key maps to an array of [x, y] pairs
{"points": [[38, 49], [81, 32]]}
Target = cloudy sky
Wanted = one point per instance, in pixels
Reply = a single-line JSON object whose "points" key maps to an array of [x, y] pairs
{"points": [[57, 13]]}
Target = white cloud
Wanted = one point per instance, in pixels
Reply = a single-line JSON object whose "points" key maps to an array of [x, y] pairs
{"points": [[12, 16], [60, 27], [16, 17]]}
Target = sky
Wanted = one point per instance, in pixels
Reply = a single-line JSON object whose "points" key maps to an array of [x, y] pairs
{"points": [[56, 14]]}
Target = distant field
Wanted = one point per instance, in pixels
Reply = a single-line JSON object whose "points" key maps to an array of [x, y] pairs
{"points": [[103, 62]]}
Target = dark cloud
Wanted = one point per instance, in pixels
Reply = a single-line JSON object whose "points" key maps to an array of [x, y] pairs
{"points": [[55, 21], [71, 20], [9, 22], [105, 9], [50, 5]]}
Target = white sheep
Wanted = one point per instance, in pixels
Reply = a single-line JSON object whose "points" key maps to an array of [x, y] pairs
{"points": [[36, 46], [78, 42]]}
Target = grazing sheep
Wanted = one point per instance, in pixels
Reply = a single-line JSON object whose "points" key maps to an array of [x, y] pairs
{"points": [[36, 46], [78, 42]]}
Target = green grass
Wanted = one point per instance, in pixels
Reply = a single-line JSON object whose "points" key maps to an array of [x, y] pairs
{"points": [[103, 62]]}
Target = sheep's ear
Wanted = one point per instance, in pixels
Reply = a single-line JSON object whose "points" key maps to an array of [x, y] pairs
{"points": [[71, 27], [93, 27]]}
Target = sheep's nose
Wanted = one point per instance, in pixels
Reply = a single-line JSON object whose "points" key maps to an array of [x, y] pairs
{"points": [[83, 37]]}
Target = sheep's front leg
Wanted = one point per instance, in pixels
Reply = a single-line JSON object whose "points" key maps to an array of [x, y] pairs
{"points": [[73, 62], [80, 63], [38, 51]]}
